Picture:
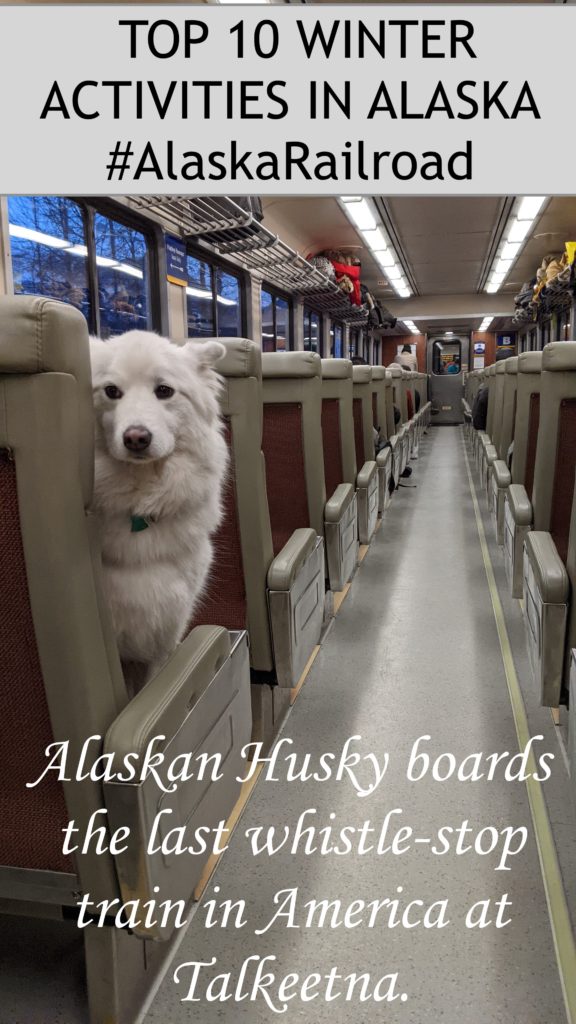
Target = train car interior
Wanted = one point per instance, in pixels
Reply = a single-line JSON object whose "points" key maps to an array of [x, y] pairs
{"points": [[396, 558]]}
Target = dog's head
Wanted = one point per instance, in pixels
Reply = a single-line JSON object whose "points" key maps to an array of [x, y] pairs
{"points": [[151, 396]]}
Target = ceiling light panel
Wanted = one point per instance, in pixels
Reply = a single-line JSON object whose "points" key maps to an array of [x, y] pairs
{"points": [[518, 231], [364, 216]]}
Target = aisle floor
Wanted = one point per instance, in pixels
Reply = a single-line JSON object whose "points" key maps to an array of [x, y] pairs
{"points": [[413, 652]]}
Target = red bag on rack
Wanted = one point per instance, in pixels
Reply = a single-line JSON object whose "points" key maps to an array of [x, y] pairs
{"points": [[348, 270]]}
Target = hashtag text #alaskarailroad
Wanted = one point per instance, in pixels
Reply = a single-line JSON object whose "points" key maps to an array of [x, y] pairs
{"points": [[291, 161]]}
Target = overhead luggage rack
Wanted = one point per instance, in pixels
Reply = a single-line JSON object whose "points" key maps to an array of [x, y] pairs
{"points": [[223, 225]]}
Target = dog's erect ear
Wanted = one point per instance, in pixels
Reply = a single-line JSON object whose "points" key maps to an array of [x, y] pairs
{"points": [[98, 354], [205, 353]]}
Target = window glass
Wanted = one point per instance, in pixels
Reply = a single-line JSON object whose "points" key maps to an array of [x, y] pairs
{"points": [[282, 317], [336, 343], [48, 245], [312, 339], [199, 299], [228, 309], [275, 322], [353, 344], [268, 332], [123, 279], [446, 357]]}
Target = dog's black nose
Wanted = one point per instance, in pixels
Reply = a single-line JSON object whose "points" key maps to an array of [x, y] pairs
{"points": [[137, 439]]}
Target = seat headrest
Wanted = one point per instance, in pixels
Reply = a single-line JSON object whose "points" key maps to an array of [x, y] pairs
{"points": [[388, 377], [336, 369], [511, 364], [378, 373], [39, 335], [491, 371], [530, 362], [501, 366], [361, 374], [291, 364], [243, 358], [395, 370], [559, 355]]}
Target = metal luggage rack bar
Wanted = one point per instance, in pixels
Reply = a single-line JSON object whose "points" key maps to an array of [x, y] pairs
{"points": [[219, 223], [196, 216]]}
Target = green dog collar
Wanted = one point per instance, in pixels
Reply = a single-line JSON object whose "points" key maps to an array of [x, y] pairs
{"points": [[138, 523]]}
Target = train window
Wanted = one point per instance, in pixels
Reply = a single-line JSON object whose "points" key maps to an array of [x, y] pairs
{"points": [[336, 341], [446, 357], [228, 304], [312, 332], [275, 322], [49, 252], [123, 278], [213, 301], [353, 347], [200, 299]]}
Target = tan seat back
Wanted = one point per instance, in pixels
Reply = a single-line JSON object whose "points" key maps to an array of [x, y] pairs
{"points": [[509, 406], [379, 411], [490, 381], [499, 380], [556, 450], [390, 425], [236, 597], [338, 424], [399, 390], [363, 428], [60, 676], [292, 443], [527, 419]]}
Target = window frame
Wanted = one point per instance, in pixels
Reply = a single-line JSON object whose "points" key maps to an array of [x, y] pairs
{"points": [[453, 341], [217, 263], [289, 299]]}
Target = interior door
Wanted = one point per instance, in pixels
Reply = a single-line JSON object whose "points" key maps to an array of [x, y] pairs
{"points": [[444, 359]]}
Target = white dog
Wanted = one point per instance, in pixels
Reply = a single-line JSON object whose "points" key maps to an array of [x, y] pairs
{"points": [[160, 465]]}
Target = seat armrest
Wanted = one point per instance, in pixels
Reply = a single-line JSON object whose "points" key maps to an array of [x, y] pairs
{"points": [[366, 474], [288, 561], [548, 567], [383, 458], [334, 508], [162, 705], [501, 473], [490, 454], [520, 505]]}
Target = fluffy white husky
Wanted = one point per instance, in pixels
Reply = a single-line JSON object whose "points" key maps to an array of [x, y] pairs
{"points": [[160, 464]]}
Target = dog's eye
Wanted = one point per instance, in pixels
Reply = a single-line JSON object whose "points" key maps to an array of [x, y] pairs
{"points": [[164, 391], [111, 391]]}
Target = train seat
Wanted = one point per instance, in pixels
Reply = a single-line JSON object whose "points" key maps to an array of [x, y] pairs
{"points": [[269, 570], [546, 585], [484, 437], [339, 469], [61, 680], [518, 495], [399, 439], [500, 476], [237, 596], [380, 421], [489, 449], [390, 425], [367, 478]]}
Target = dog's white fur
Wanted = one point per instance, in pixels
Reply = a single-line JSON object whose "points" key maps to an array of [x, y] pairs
{"points": [[154, 578]]}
